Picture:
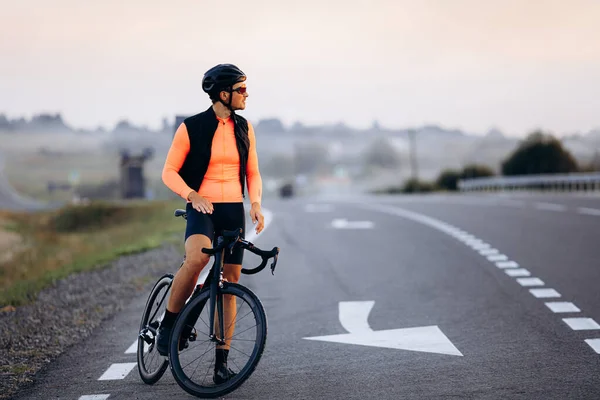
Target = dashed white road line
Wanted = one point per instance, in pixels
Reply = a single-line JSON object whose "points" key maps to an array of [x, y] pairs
{"points": [[517, 272], [95, 397], [562, 307], [117, 371], [511, 268], [489, 252], [594, 344], [530, 282], [589, 211], [507, 264], [549, 206], [318, 208], [581, 324], [544, 293]]}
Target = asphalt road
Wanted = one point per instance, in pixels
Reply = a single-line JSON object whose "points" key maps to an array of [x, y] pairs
{"points": [[466, 270]]}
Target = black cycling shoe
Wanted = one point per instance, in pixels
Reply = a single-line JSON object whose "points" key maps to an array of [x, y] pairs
{"points": [[162, 341], [223, 374]]}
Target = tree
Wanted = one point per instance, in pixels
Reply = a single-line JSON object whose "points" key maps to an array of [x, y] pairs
{"points": [[381, 153], [539, 153]]}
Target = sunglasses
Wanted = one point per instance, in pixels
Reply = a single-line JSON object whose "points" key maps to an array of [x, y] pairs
{"points": [[241, 90]]}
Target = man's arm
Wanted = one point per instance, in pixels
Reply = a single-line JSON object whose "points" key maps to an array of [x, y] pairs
{"points": [[180, 147], [253, 177]]}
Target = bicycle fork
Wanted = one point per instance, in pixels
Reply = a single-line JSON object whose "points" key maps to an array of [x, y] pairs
{"points": [[216, 297]]}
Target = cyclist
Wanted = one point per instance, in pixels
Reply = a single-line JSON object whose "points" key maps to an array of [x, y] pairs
{"points": [[212, 156]]}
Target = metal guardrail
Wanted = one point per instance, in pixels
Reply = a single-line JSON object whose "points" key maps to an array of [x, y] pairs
{"points": [[549, 182]]}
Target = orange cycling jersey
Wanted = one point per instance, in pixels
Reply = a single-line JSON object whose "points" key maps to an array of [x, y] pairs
{"points": [[221, 183]]}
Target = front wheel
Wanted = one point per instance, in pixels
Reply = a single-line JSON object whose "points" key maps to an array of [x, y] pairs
{"points": [[151, 365], [245, 326]]}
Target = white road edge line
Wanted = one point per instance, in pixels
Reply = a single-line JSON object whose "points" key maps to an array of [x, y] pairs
{"points": [[94, 397], [117, 371]]}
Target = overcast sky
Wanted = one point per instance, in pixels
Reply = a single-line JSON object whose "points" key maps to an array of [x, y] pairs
{"points": [[469, 64]]}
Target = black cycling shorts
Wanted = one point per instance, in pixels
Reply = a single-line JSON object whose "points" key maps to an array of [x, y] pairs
{"points": [[225, 216]]}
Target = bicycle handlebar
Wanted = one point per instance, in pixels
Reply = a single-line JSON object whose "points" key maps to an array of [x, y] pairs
{"points": [[231, 239]]}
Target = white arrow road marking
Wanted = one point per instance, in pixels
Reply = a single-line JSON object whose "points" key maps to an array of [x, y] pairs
{"points": [[117, 371], [341, 223], [354, 318]]}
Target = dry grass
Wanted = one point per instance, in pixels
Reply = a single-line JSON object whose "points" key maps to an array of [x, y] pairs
{"points": [[77, 238]]}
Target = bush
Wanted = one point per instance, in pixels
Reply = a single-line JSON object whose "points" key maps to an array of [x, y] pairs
{"points": [[89, 217], [414, 185], [448, 179]]}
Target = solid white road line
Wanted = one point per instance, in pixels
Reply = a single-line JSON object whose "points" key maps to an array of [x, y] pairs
{"points": [[594, 344], [581, 324], [530, 282], [562, 307], [95, 397], [544, 293], [117, 371]]}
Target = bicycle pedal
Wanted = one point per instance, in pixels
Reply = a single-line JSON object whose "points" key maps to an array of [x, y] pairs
{"points": [[145, 337]]}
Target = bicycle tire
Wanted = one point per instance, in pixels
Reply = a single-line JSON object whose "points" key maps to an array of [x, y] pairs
{"points": [[147, 376], [200, 301]]}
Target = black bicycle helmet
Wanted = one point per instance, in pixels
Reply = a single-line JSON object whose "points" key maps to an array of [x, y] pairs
{"points": [[221, 77]]}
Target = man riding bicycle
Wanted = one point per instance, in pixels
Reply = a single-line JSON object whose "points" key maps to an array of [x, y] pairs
{"points": [[212, 156]]}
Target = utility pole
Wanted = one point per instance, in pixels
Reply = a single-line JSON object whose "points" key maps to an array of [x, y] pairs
{"points": [[412, 133]]}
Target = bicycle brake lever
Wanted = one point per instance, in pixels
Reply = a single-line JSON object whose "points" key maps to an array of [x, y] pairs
{"points": [[274, 264]]}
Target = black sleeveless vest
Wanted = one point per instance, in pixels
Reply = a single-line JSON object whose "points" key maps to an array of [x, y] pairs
{"points": [[201, 131]]}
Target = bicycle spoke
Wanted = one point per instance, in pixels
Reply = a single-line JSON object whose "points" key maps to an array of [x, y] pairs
{"points": [[239, 351], [239, 333], [197, 358]]}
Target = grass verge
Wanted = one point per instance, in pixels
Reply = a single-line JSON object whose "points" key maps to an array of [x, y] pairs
{"points": [[58, 243]]}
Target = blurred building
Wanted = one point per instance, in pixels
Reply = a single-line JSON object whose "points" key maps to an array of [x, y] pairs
{"points": [[133, 184]]}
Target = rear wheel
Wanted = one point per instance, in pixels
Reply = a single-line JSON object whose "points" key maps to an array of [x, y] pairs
{"points": [[245, 333], [151, 365]]}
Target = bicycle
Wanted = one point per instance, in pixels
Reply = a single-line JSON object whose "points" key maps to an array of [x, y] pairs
{"points": [[184, 334]]}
